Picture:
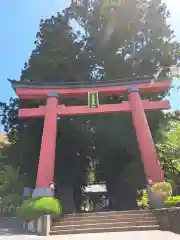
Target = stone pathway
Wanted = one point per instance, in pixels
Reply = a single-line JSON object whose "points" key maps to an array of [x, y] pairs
{"points": [[143, 235]]}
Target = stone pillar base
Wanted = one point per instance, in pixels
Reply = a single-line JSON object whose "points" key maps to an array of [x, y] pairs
{"points": [[156, 201], [42, 192], [40, 226]]}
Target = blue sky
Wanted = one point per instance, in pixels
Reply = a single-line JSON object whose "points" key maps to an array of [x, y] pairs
{"points": [[19, 22]]}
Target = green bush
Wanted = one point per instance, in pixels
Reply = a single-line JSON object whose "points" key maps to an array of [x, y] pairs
{"points": [[162, 188], [143, 203], [172, 201], [36, 207], [27, 210]]}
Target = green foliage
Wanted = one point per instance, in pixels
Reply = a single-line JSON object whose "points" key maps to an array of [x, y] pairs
{"points": [[11, 180], [143, 202], [36, 207], [27, 210], [11, 185], [12, 199], [169, 150], [173, 116], [2, 156], [49, 205], [10, 120], [173, 201]]}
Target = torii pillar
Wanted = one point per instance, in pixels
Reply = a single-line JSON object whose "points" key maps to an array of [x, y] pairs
{"points": [[147, 148], [45, 173]]}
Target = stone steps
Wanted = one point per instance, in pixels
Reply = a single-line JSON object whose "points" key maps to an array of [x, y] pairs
{"points": [[130, 212], [105, 222], [124, 219], [103, 225], [84, 218]]}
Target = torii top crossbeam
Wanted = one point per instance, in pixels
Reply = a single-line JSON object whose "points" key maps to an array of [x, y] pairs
{"points": [[33, 90], [29, 90]]}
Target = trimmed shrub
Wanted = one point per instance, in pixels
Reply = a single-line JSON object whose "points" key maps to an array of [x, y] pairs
{"points": [[172, 201], [162, 188], [33, 208], [49, 205]]}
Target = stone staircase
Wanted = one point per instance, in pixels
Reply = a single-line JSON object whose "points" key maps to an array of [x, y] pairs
{"points": [[135, 220]]}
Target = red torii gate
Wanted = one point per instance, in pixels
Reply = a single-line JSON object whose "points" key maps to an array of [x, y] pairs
{"points": [[52, 109]]}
